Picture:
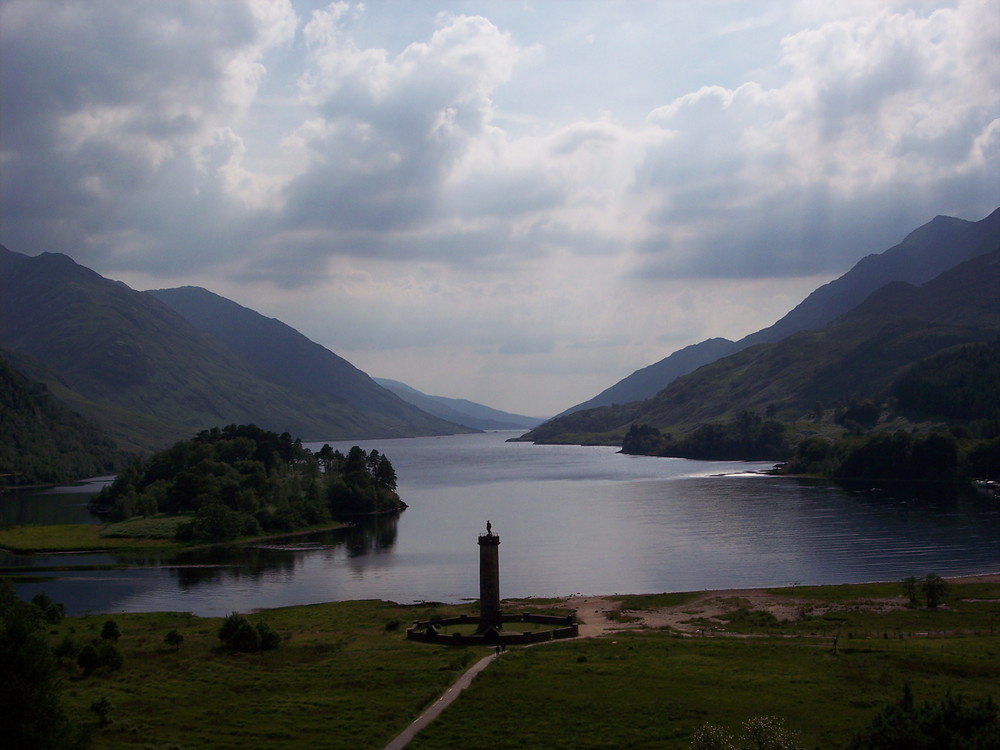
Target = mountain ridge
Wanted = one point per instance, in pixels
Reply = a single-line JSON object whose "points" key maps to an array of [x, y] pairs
{"points": [[460, 410], [922, 254], [855, 356], [146, 373]]}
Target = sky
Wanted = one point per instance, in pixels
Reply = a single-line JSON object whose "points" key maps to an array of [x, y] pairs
{"points": [[518, 203]]}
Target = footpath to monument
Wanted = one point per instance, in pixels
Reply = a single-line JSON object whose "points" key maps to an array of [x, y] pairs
{"points": [[404, 737], [490, 631]]}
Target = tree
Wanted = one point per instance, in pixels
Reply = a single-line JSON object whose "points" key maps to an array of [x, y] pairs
{"points": [[949, 724], [239, 634], [910, 586], [88, 659], [52, 612], [110, 656], [385, 475], [31, 713], [174, 639], [111, 631], [934, 588]]}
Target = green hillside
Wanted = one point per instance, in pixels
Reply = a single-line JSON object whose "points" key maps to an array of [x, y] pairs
{"points": [[41, 441], [857, 357], [924, 253], [148, 375]]}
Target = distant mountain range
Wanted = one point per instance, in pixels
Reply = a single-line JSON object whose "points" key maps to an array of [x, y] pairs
{"points": [[149, 368], [460, 410], [923, 254], [879, 323], [152, 367]]}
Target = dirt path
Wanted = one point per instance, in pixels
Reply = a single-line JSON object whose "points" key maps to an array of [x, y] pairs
{"points": [[432, 712], [600, 615]]}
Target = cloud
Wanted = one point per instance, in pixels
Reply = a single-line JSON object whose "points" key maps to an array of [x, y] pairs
{"points": [[517, 181], [878, 125], [119, 105]]}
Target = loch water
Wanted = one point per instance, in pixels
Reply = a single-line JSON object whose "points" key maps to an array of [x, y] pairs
{"points": [[571, 519]]}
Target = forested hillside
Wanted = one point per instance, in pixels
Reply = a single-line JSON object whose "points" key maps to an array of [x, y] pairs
{"points": [[923, 254], [813, 375], [42, 441]]}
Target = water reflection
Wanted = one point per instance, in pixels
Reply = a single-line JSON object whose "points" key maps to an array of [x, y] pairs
{"points": [[276, 558], [571, 519], [47, 506]]}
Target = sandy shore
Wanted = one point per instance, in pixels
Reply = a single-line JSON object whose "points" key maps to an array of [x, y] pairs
{"points": [[600, 615]]}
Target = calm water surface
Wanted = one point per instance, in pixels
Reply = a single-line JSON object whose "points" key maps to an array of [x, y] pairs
{"points": [[571, 520]]}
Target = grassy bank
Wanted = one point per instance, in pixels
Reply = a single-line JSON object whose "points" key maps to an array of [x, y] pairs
{"points": [[651, 690], [70, 538], [135, 534], [345, 677]]}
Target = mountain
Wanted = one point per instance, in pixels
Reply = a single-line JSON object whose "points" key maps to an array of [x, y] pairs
{"points": [[856, 357], [147, 374], [924, 253], [649, 380], [42, 441], [279, 354], [460, 410]]}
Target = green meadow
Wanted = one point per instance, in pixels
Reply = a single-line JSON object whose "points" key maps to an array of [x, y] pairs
{"points": [[344, 676], [140, 533]]}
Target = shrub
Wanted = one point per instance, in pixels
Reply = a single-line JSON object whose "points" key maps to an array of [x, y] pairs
{"points": [[111, 631], [52, 612], [934, 588], [88, 659], [756, 733], [173, 638], [67, 649], [239, 634], [110, 656], [950, 723], [269, 637]]}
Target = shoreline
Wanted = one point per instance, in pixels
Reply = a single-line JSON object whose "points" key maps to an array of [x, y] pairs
{"points": [[603, 615], [126, 544]]}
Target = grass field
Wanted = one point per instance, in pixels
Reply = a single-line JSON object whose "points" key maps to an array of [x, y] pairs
{"points": [[648, 690], [155, 532], [345, 677], [70, 538]]}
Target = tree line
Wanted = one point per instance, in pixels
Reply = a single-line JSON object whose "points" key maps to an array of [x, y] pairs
{"points": [[242, 480], [747, 437]]}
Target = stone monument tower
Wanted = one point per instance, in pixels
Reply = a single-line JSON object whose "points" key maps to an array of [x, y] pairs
{"points": [[489, 580]]}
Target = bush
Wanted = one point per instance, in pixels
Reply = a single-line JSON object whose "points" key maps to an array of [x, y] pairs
{"points": [[67, 649], [88, 660], [269, 637], [239, 634], [946, 725], [105, 655], [174, 639], [110, 656], [52, 612], [932, 586], [111, 631], [756, 733]]}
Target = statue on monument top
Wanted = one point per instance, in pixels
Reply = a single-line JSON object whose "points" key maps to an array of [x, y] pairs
{"points": [[489, 528]]}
